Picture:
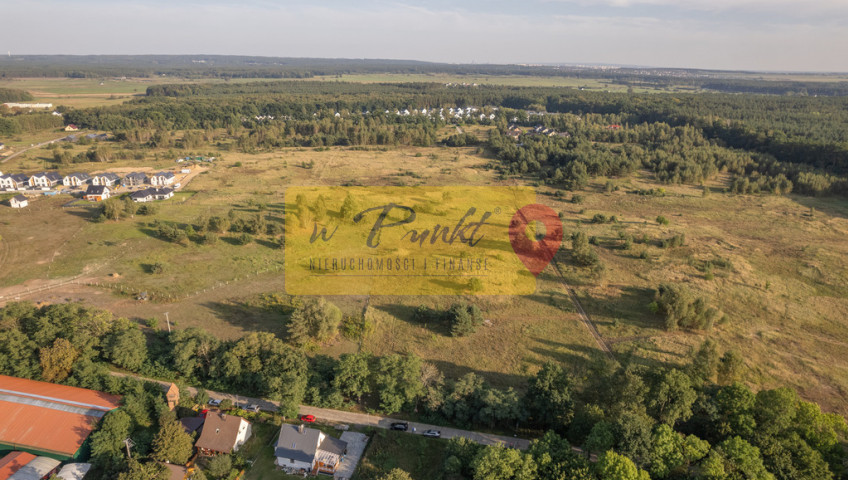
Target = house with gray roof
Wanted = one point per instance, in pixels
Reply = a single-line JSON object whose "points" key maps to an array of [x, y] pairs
{"points": [[305, 449], [76, 179], [135, 179], [108, 179]]}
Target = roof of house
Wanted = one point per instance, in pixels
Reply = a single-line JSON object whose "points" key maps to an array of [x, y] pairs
{"points": [[80, 175], [173, 392], [136, 175], [50, 175], [36, 469], [96, 190], [220, 432], [109, 175], [192, 424], [176, 472], [142, 193], [49, 417], [297, 445], [74, 471], [333, 445], [18, 177], [13, 462], [164, 174], [163, 191], [19, 198]]}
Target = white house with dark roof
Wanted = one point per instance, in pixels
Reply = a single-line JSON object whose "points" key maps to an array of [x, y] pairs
{"points": [[45, 179], [105, 179], [162, 178], [97, 193], [14, 181], [76, 179], [18, 201], [300, 448]]}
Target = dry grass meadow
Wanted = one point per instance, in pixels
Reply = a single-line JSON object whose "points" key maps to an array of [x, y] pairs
{"points": [[784, 292]]}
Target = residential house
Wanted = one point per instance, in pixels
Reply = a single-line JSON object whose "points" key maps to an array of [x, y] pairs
{"points": [[2, 146], [71, 128], [300, 448], [192, 424], [108, 179], [135, 179], [142, 196], [162, 193], [45, 179], [14, 181], [162, 178], [13, 462], [222, 433], [76, 179], [172, 396], [18, 201], [97, 193]]}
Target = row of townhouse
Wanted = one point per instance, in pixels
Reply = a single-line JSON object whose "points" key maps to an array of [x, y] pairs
{"points": [[20, 181]]}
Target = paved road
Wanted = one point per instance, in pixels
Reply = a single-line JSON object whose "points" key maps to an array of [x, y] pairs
{"points": [[30, 148], [325, 415]]}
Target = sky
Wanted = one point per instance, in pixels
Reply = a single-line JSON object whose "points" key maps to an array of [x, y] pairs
{"points": [[773, 35]]}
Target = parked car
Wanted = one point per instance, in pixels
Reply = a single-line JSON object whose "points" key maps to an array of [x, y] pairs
{"points": [[252, 407], [432, 433], [307, 418], [215, 401], [403, 426]]}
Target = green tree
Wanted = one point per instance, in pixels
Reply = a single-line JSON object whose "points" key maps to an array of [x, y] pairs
{"points": [[127, 349], [742, 461], [351, 375], [704, 366], [107, 443], [144, 471], [666, 453], [554, 459], [612, 466], [731, 366], [220, 466], [396, 474], [349, 208], [57, 360], [398, 381], [671, 397], [549, 397], [497, 462], [172, 444], [601, 438], [315, 319]]}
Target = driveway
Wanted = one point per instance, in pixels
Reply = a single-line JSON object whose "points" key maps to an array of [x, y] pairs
{"points": [[356, 443]]}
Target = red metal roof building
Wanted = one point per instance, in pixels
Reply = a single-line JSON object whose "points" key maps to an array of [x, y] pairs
{"points": [[13, 462], [49, 419]]}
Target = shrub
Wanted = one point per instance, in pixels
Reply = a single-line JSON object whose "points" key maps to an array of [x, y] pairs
{"points": [[464, 319], [662, 220], [682, 308]]}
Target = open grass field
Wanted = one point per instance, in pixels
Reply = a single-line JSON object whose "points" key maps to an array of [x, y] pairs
{"points": [[784, 289], [419, 456]]}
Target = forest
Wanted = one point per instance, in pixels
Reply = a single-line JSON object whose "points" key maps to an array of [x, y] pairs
{"points": [[642, 422], [767, 143]]}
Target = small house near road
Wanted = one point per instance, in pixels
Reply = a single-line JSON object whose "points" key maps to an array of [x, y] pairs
{"points": [[76, 179], [309, 450], [18, 201], [162, 178], [172, 396], [222, 433], [108, 179], [97, 193], [71, 128]]}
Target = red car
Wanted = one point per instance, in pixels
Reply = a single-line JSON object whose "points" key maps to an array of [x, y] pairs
{"points": [[307, 418]]}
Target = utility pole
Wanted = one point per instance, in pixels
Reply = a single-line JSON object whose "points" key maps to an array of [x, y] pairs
{"points": [[129, 443], [168, 321]]}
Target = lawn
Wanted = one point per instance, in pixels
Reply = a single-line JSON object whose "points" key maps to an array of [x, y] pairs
{"points": [[419, 456]]}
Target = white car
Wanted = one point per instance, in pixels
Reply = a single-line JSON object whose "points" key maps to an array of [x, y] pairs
{"points": [[214, 402]]}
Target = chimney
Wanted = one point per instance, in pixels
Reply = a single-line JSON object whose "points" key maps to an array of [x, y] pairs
{"points": [[301, 428]]}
